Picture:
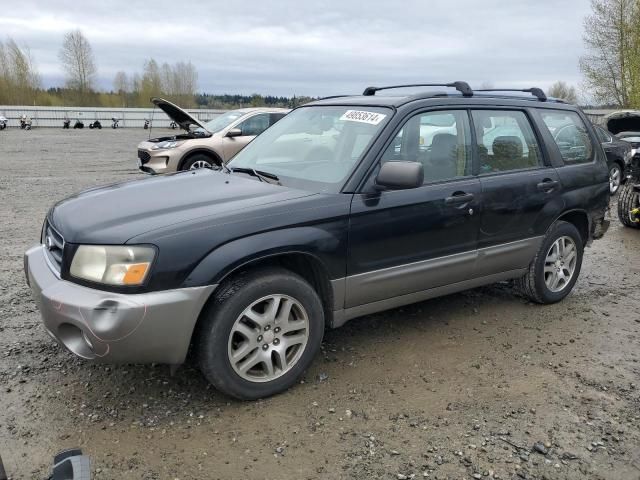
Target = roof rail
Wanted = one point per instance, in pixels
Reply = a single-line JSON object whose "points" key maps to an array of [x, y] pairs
{"points": [[329, 98], [536, 92], [462, 87]]}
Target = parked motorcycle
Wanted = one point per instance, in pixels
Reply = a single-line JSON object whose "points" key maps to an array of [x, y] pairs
{"points": [[173, 125], [147, 124], [25, 122], [66, 123], [115, 122], [629, 199], [78, 124], [3, 122], [95, 124]]}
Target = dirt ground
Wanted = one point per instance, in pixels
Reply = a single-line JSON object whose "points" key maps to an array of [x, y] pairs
{"points": [[459, 387]]}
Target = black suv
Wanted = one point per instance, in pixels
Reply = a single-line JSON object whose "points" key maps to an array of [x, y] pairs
{"points": [[347, 206]]}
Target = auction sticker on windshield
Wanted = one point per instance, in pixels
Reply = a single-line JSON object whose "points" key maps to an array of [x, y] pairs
{"points": [[371, 118]]}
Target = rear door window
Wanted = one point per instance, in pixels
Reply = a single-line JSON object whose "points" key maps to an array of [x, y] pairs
{"points": [[570, 134], [505, 141]]}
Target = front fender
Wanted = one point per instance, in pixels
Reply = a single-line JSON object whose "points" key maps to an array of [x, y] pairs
{"points": [[326, 244]]}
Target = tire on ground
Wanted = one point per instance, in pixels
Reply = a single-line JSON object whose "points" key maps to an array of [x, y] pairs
{"points": [[533, 284], [627, 201], [200, 157], [229, 302]]}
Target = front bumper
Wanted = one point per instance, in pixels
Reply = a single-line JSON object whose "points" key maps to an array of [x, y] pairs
{"points": [[153, 161], [110, 327]]}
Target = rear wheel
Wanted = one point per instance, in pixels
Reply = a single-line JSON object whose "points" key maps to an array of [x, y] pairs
{"points": [[260, 333], [628, 202], [200, 160], [556, 267]]}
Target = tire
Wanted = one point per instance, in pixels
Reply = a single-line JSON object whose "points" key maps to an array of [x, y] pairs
{"points": [[200, 160], [534, 284], [219, 337], [627, 201], [615, 178]]}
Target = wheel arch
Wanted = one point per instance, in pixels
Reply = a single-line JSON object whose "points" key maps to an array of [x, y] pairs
{"points": [[204, 151], [579, 219], [316, 254], [304, 264]]}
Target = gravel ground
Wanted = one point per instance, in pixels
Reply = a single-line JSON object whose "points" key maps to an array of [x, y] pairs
{"points": [[481, 384]]}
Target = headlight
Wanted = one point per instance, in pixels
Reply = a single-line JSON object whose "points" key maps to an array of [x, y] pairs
{"points": [[112, 265], [166, 144]]}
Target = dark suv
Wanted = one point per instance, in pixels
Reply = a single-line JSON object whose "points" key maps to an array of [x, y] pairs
{"points": [[347, 206]]}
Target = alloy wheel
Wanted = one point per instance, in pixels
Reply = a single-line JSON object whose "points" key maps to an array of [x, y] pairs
{"points": [[268, 338], [615, 179], [200, 164], [560, 264]]}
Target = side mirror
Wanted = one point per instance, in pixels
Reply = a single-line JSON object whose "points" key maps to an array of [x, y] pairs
{"points": [[400, 176], [234, 132]]}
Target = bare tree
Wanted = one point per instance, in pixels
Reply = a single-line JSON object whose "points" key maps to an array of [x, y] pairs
{"points": [[121, 86], [612, 39], [151, 82], [564, 91], [121, 83], [78, 62], [19, 79]]}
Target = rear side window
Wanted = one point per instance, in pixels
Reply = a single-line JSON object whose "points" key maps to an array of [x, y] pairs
{"points": [[570, 134], [505, 141]]}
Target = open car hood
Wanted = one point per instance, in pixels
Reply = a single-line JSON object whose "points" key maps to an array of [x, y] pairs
{"points": [[178, 115], [623, 121]]}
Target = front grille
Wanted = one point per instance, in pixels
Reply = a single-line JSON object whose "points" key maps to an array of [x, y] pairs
{"points": [[144, 156], [54, 245]]}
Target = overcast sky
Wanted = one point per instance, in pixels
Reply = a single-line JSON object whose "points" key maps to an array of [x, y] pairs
{"points": [[313, 48]]}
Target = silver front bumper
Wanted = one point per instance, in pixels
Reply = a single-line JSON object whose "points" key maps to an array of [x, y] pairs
{"points": [[111, 327]]}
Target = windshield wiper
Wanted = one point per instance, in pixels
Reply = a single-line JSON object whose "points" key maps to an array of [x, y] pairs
{"points": [[262, 176]]}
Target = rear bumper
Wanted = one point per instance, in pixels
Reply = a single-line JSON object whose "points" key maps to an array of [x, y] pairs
{"points": [[115, 328]]}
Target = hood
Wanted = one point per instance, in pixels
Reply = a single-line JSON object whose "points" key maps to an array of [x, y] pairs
{"points": [[178, 115], [623, 121], [113, 214]]}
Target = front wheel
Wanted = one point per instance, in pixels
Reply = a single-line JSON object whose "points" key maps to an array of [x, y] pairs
{"points": [[556, 267], [200, 160], [629, 205], [260, 333]]}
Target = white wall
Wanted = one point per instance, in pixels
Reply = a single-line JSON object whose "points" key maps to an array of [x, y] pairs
{"points": [[129, 117]]}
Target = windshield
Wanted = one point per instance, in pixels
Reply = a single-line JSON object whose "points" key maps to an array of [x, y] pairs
{"points": [[314, 148], [223, 121]]}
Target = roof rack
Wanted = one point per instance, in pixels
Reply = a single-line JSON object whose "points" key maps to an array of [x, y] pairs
{"points": [[462, 87], [536, 92]]}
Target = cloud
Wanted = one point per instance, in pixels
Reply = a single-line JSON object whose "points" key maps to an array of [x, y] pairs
{"points": [[286, 47]]}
